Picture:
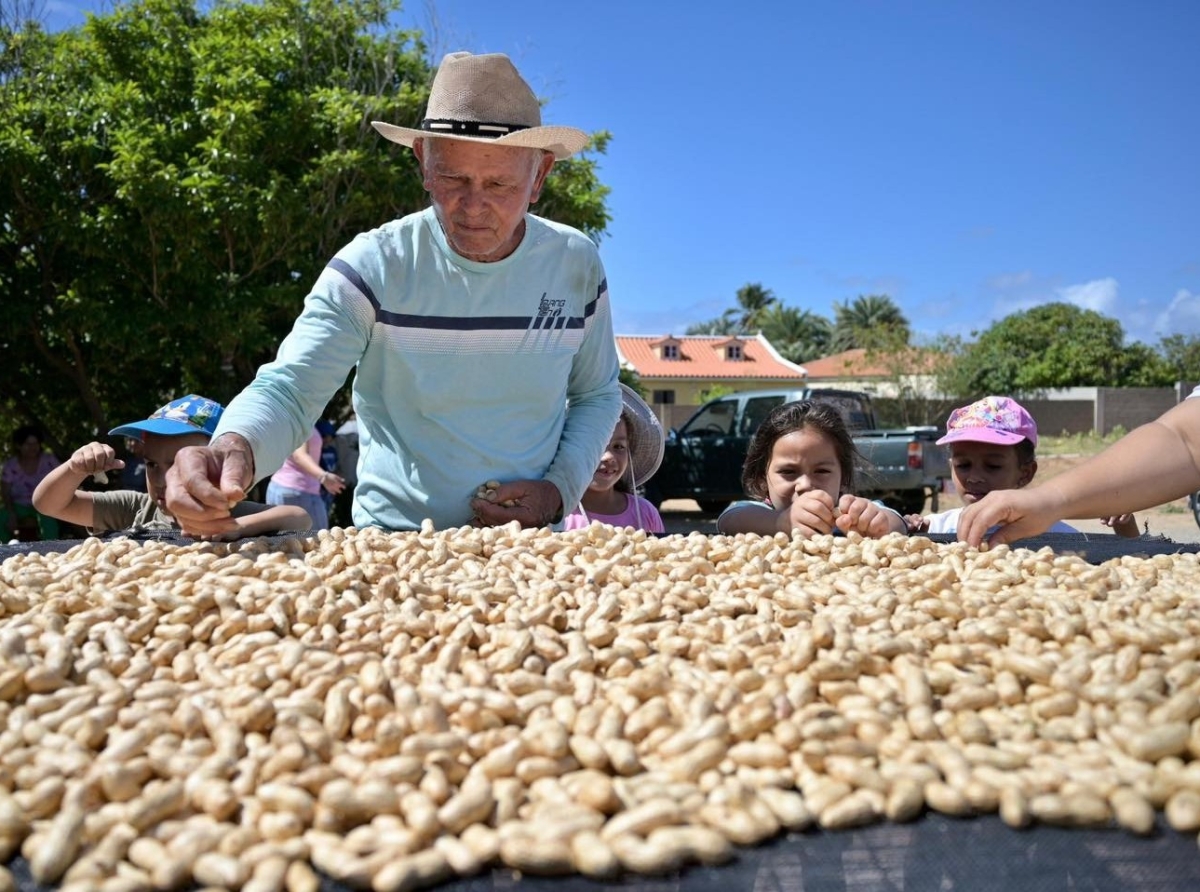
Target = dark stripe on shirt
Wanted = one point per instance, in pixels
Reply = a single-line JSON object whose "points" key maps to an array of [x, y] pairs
{"points": [[459, 323], [355, 279]]}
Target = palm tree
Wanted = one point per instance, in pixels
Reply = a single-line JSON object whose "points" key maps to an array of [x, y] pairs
{"points": [[725, 324], [871, 321], [754, 300], [798, 335]]}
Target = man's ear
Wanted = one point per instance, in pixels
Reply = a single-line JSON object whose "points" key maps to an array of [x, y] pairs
{"points": [[1027, 472], [418, 149], [544, 164]]}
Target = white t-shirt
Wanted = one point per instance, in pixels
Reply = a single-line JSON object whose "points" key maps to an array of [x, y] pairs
{"points": [[947, 522]]}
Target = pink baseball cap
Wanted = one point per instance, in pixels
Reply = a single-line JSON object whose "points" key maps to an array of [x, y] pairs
{"points": [[993, 419]]}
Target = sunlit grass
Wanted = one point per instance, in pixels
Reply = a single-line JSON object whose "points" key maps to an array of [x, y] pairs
{"points": [[1078, 444]]}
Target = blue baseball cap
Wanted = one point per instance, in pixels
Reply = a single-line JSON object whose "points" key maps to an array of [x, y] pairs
{"points": [[189, 414]]}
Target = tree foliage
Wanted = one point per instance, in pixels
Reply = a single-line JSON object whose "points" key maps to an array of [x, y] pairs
{"points": [[798, 335], [1181, 356], [869, 321], [1050, 346], [173, 179]]}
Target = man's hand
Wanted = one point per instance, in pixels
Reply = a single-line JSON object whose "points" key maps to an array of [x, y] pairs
{"points": [[532, 503], [206, 481]]}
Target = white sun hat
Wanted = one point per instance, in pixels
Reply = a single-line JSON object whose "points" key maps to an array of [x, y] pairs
{"points": [[645, 435]]}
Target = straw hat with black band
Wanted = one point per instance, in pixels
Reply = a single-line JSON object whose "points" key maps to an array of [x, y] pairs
{"points": [[482, 98]]}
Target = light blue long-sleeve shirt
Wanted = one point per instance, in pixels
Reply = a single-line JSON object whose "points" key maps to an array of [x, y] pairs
{"points": [[464, 370]]}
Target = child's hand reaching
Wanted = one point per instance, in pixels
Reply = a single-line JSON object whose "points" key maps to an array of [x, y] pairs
{"points": [[812, 513], [865, 517], [1122, 524], [95, 459]]}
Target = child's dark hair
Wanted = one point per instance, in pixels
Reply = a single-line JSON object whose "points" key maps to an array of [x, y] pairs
{"points": [[1025, 453], [786, 419], [625, 484]]}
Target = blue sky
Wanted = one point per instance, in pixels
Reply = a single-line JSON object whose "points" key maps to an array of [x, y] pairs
{"points": [[969, 159]]}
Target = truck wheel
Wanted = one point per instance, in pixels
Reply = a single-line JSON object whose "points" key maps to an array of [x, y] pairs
{"points": [[708, 506], [1194, 504]]}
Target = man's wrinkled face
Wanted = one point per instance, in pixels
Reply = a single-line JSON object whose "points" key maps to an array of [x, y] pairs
{"points": [[482, 192]]}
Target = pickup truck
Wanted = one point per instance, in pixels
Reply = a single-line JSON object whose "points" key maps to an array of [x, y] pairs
{"points": [[703, 459]]}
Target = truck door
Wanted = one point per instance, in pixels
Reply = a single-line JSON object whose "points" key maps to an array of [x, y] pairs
{"points": [[704, 444]]}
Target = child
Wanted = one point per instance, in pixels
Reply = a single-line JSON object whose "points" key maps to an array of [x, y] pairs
{"points": [[301, 481], [800, 469], [992, 443], [189, 421], [633, 455]]}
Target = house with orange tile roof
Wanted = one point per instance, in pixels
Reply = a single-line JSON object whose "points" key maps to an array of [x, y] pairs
{"points": [[912, 370], [677, 370]]}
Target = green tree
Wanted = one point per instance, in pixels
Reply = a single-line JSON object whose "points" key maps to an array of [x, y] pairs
{"points": [[870, 321], [174, 177], [1181, 356], [1049, 346], [725, 324], [798, 335]]}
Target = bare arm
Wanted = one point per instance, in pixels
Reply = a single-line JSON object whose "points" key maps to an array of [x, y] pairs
{"points": [[763, 520], [252, 519], [58, 494], [812, 513], [305, 463], [328, 479], [1156, 463]]}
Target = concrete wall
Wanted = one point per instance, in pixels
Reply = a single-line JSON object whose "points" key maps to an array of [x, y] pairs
{"points": [[1102, 409]]}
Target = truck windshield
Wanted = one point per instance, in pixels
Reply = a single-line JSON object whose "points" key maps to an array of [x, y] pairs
{"points": [[712, 421], [757, 410], [851, 411]]}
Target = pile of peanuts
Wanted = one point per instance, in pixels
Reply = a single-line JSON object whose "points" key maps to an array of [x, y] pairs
{"points": [[393, 710]]}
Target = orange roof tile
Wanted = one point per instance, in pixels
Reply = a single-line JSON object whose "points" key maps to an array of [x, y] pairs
{"points": [[701, 356], [857, 364]]}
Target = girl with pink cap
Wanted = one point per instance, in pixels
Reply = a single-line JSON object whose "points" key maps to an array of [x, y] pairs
{"points": [[992, 446]]}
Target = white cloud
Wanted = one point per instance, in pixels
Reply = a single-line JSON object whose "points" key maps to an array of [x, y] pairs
{"points": [[1099, 295], [1182, 315]]}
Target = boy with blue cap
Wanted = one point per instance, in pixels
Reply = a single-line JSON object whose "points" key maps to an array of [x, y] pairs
{"points": [[187, 421]]}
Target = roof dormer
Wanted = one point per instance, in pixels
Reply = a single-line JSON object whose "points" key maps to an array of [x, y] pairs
{"points": [[730, 350], [668, 348]]}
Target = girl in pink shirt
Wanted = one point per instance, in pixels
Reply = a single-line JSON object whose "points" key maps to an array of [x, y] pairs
{"points": [[633, 454], [300, 480]]}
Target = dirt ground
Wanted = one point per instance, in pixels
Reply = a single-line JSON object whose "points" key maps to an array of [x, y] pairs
{"points": [[1173, 520]]}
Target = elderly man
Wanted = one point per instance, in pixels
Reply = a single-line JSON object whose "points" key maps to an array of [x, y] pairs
{"points": [[481, 337]]}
